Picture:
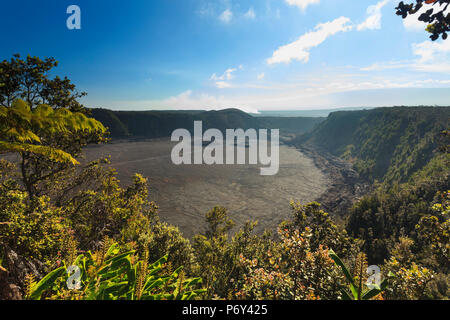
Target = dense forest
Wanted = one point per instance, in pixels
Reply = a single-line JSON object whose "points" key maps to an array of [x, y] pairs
{"points": [[59, 217], [403, 153]]}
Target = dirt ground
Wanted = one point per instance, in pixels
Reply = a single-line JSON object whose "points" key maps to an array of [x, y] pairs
{"points": [[185, 193]]}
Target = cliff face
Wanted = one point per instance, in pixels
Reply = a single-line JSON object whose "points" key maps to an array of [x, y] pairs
{"points": [[385, 144]]}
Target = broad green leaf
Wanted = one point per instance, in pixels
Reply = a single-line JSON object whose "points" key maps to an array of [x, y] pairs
{"points": [[345, 295], [46, 283], [343, 267], [370, 294]]}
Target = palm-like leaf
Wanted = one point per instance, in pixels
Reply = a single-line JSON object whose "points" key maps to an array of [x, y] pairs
{"points": [[21, 127]]}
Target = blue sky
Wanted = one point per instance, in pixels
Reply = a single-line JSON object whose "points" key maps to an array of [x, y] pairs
{"points": [[249, 54]]}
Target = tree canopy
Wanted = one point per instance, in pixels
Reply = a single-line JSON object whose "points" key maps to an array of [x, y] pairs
{"points": [[29, 79], [21, 129], [436, 17], [42, 120]]}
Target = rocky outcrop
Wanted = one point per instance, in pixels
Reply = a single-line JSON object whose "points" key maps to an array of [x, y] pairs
{"points": [[14, 272], [8, 291], [347, 186]]}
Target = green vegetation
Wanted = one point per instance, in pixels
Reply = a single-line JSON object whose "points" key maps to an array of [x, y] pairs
{"points": [[389, 213], [358, 290], [384, 144], [111, 275], [21, 129], [403, 222], [57, 214], [158, 124]]}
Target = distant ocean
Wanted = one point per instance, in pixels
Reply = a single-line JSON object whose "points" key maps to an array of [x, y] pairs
{"points": [[305, 113]]}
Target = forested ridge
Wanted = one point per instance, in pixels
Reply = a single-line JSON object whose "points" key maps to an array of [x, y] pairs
{"points": [[159, 124], [384, 144], [57, 214]]}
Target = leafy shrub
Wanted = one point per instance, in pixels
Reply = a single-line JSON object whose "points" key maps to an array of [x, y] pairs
{"points": [[409, 282], [34, 230], [292, 271], [360, 288], [110, 274]]}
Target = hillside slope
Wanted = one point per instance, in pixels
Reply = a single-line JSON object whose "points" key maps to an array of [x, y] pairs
{"points": [[157, 124], [385, 144]]}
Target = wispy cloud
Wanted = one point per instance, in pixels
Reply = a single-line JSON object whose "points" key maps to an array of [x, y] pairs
{"points": [[435, 67], [223, 85], [373, 20], [299, 50], [250, 14], [431, 57], [221, 81], [226, 16], [302, 4], [427, 68], [321, 93], [206, 10], [191, 101], [227, 75], [387, 66], [430, 51]]}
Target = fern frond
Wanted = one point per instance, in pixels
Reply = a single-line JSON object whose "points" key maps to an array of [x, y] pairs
{"points": [[21, 127], [141, 275], [30, 283], [48, 152]]}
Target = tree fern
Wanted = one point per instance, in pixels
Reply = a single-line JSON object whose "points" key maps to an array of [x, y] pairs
{"points": [[21, 129]]}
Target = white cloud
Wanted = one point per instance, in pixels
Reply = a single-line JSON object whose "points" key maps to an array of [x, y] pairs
{"points": [[429, 50], [299, 50], [302, 4], [226, 16], [227, 75], [221, 81], [414, 65], [411, 23], [387, 66], [223, 85], [373, 20], [441, 67], [431, 57], [206, 10], [190, 101], [261, 76], [250, 14], [294, 96]]}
